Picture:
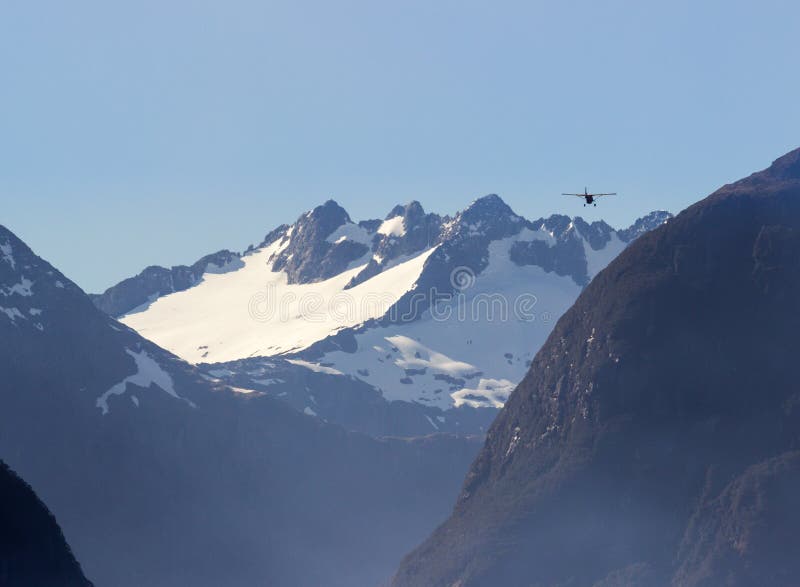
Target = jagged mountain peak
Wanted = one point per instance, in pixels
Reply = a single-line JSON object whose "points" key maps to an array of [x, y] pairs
{"points": [[323, 219], [411, 209], [644, 224], [490, 204], [487, 217], [556, 224], [322, 243], [29, 284]]}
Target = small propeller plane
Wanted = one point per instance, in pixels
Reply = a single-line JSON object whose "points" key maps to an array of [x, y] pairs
{"points": [[590, 197]]}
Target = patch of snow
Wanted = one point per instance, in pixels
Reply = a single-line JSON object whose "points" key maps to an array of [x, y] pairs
{"points": [[148, 373], [135, 400], [12, 313], [528, 235], [596, 261], [393, 227], [59, 285], [309, 412], [34, 311], [144, 305], [315, 367], [268, 382], [415, 355], [432, 422], [8, 254], [254, 311], [350, 231], [440, 360], [23, 288], [489, 393], [242, 389]]}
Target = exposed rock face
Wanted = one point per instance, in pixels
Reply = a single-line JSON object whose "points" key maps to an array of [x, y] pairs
{"points": [[562, 254], [33, 552], [644, 224], [405, 231], [322, 244], [652, 442], [746, 534]]}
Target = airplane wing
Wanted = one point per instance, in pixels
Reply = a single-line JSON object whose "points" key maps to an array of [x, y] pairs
{"points": [[579, 195], [609, 194]]}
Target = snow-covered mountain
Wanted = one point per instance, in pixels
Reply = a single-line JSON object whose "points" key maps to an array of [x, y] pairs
{"points": [[441, 313], [160, 477]]}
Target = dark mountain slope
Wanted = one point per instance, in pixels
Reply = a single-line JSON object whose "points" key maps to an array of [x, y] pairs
{"points": [[161, 478], [633, 449], [33, 552]]}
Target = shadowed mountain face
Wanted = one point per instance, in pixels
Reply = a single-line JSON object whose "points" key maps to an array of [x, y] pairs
{"points": [[654, 440], [159, 477], [33, 552]]}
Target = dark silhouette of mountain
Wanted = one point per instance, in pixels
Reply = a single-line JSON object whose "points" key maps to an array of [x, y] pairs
{"points": [[654, 440], [33, 552], [159, 477]]}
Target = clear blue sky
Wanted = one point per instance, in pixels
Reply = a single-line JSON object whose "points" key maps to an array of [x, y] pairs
{"points": [[153, 132]]}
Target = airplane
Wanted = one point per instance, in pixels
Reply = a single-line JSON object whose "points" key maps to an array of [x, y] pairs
{"points": [[590, 197]]}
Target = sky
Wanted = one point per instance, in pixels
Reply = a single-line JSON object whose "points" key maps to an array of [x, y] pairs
{"points": [[154, 132]]}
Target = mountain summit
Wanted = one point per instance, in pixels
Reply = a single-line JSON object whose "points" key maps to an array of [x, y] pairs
{"points": [[654, 440]]}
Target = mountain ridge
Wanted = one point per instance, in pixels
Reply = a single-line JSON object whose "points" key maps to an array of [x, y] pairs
{"points": [[109, 301], [361, 301]]}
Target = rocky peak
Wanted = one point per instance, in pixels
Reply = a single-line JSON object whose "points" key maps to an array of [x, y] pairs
{"points": [[28, 286], [486, 207], [644, 224], [320, 222], [597, 234], [488, 217], [558, 225], [406, 230], [323, 243]]}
